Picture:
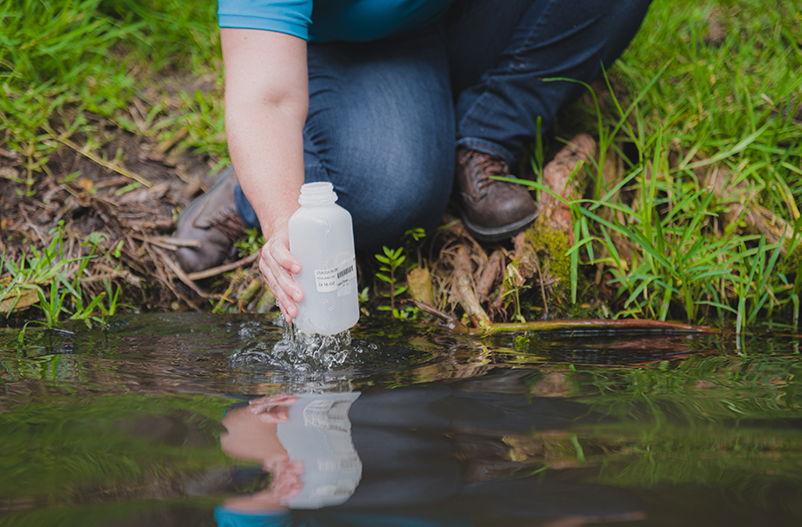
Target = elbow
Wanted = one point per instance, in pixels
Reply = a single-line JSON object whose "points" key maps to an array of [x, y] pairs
{"points": [[288, 104]]}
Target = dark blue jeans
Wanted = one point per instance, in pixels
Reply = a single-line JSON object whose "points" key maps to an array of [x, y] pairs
{"points": [[385, 117]]}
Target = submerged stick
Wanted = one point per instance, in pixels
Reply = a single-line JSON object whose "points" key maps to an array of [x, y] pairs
{"points": [[590, 323], [558, 325]]}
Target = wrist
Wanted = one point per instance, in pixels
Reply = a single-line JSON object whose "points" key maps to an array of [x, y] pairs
{"points": [[276, 222]]}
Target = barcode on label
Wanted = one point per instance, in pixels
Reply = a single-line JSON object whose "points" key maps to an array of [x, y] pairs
{"points": [[345, 271], [336, 278]]}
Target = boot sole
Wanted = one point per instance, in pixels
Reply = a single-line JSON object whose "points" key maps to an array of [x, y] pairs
{"points": [[494, 234]]}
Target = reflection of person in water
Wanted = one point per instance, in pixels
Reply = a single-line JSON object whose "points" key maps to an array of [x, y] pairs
{"points": [[386, 458]]}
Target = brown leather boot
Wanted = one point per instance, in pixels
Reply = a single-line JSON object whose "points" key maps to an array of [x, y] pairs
{"points": [[213, 220], [491, 210]]}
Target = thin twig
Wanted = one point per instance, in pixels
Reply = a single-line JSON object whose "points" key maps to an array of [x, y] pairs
{"points": [[452, 322], [214, 271], [159, 270], [97, 159], [33, 227], [167, 242], [174, 267]]}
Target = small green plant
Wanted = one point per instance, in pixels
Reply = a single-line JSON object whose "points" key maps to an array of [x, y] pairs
{"points": [[413, 239], [390, 261], [251, 243], [364, 295], [407, 313], [55, 280]]}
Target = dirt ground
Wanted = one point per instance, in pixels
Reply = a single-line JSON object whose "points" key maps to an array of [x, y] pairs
{"points": [[119, 201], [129, 190]]}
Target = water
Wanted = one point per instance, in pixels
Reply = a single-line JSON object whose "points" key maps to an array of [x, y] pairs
{"points": [[164, 420]]}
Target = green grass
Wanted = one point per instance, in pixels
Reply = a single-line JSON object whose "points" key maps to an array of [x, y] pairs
{"points": [[61, 62], [54, 281], [695, 108]]}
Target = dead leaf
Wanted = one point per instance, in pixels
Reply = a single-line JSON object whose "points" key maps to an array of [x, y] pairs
{"points": [[10, 174], [419, 281], [85, 183], [19, 300]]}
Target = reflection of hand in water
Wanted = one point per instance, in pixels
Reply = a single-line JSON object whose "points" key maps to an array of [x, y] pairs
{"points": [[273, 409], [303, 442], [251, 434], [286, 480]]}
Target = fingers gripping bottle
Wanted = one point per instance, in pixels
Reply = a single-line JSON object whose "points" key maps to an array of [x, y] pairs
{"points": [[322, 239]]}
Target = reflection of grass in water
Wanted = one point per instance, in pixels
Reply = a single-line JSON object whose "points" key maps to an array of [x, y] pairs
{"points": [[724, 421], [698, 388], [755, 463], [68, 448]]}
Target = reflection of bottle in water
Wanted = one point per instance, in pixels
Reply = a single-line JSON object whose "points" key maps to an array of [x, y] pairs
{"points": [[322, 239], [318, 434]]}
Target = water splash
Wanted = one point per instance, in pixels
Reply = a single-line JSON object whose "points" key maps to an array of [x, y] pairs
{"points": [[300, 352]]}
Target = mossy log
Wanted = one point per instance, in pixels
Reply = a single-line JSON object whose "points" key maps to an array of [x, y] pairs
{"points": [[559, 176]]}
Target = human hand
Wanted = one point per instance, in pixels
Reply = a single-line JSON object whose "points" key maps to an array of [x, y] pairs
{"points": [[273, 409], [277, 265]]}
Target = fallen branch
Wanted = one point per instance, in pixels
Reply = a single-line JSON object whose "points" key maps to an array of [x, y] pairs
{"points": [[561, 325], [214, 271]]}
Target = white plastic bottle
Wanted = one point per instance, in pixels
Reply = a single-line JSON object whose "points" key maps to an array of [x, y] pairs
{"points": [[322, 239]]}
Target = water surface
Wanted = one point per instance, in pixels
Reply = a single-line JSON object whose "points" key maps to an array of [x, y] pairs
{"points": [[193, 419]]}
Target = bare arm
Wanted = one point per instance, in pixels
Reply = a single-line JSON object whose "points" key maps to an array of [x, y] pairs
{"points": [[266, 104]]}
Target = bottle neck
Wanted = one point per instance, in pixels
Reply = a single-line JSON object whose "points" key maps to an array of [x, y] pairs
{"points": [[317, 194]]}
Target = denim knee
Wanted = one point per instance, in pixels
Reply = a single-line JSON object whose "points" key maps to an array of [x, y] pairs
{"points": [[380, 128], [389, 195]]}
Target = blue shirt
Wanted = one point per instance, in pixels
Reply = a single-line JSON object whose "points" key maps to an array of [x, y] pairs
{"points": [[347, 20]]}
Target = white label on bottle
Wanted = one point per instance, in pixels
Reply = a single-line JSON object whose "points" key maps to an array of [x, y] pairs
{"points": [[326, 280], [336, 278]]}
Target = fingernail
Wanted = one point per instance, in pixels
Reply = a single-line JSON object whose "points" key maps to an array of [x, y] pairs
{"points": [[295, 269]]}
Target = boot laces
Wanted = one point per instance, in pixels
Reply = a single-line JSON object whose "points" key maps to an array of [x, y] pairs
{"points": [[487, 165]]}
